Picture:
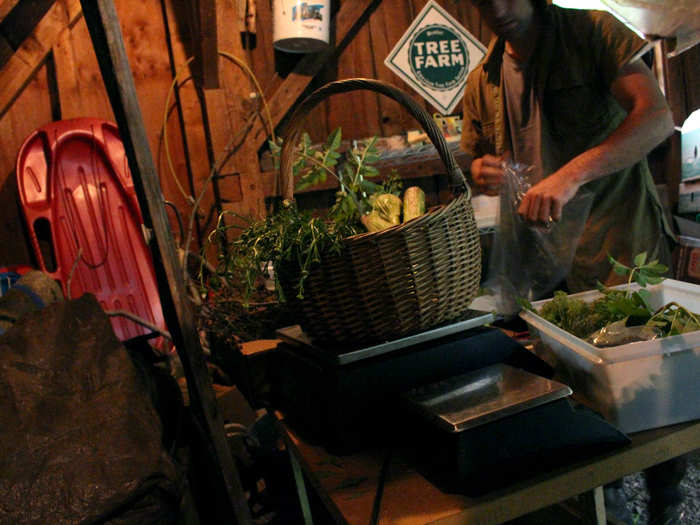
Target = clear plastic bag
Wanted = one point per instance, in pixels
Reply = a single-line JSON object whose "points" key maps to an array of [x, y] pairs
{"points": [[617, 333], [529, 261]]}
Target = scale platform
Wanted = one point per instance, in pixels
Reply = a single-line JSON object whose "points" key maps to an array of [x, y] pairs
{"points": [[468, 400], [295, 337]]}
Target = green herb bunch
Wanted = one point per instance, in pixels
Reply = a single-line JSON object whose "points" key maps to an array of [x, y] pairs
{"points": [[573, 315], [292, 239], [354, 171], [288, 238]]}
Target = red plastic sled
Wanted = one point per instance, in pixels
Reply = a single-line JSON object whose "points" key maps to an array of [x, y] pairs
{"points": [[73, 174]]}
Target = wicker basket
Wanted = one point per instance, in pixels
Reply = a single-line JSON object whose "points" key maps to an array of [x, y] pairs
{"points": [[399, 281]]}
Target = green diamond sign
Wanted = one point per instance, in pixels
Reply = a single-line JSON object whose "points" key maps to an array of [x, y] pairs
{"points": [[434, 57]]}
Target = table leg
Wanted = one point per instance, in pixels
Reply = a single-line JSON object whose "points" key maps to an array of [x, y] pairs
{"points": [[594, 505], [301, 489]]}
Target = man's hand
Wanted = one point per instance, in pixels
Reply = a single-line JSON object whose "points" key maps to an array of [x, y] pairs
{"points": [[487, 174], [544, 201]]}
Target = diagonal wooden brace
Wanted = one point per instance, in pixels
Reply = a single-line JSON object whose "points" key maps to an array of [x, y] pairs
{"points": [[103, 24]]}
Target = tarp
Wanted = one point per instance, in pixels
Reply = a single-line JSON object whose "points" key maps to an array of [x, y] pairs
{"points": [[80, 439]]}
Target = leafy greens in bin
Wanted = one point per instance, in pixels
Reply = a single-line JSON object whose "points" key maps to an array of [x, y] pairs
{"points": [[620, 316]]}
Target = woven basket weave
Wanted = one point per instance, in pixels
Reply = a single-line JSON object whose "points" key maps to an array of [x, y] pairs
{"points": [[399, 281]]}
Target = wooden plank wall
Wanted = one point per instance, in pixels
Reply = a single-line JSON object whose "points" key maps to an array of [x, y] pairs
{"points": [[62, 81], [69, 85], [363, 114], [33, 106]]}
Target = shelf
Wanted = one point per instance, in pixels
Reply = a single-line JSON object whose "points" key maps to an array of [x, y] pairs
{"points": [[410, 162]]}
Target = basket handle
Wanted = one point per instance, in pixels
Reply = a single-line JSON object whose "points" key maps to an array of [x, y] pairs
{"points": [[291, 137]]}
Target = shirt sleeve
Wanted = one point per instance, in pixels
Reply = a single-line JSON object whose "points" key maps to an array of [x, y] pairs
{"points": [[613, 45], [472, 132], [469, 138]]}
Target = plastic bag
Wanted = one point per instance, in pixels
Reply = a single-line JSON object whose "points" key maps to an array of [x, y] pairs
{"points": [[529, 261], [617, 333]]}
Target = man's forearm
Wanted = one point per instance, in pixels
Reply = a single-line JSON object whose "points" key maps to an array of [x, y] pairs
{"points": [[648, 123], [628, 144]]}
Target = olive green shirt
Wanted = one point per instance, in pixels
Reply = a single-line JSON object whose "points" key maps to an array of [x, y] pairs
{"points": [[578, 56]]}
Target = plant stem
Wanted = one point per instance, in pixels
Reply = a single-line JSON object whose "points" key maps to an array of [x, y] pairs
{"points": [[629, 282], [680, 308], [320, 165], [673, 321], [343, 186], [360, 164]]}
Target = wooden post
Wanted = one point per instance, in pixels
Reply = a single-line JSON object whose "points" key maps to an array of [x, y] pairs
{"points": [[103, 24], [203, 31]]}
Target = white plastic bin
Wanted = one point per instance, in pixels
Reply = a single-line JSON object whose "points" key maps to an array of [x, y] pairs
{"points": [[636, 386]]}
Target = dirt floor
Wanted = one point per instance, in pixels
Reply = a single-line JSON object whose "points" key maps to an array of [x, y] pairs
{"points": [[568, 513], [637, 495], [636, 492]]}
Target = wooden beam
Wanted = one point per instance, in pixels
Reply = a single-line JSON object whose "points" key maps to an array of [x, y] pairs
{"points": [[229, 125], [203, 31], [347, 20], [23, 64], [193, 26], [103, 24], [6, 51], [208, 48], [5, 7], [21, 21], [18, 24], [194, 159], [240, 188], [386, 26]]}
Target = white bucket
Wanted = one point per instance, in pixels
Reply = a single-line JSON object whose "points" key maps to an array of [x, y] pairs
{"points": [[301, 26], [690, 147]]}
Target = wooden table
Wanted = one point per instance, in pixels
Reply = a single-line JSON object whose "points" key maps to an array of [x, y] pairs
{"points": [[347, 485]]}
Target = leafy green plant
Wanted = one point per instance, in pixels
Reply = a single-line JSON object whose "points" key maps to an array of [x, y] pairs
{"points": [[311, 165], [288, 238], [642, 273], [353, 170], [627, 306], [293, 240], [630, 305], [571, 314]]}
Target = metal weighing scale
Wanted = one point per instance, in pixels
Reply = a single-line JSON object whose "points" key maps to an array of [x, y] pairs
{"points": [[491, 427], [488, 394], [350, 398], [468, 406]]}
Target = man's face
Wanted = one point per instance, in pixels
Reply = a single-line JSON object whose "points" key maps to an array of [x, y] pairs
{"points": [[507, 18]]}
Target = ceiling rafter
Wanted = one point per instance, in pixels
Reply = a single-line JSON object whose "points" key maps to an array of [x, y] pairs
{"points": [[6, 6], [21, 67]]}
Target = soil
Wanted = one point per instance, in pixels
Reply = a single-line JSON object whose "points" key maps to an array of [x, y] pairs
{"points": [[637, 496]]}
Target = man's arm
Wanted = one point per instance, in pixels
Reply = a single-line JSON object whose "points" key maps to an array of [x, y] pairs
{"points": [[648, 123]]}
